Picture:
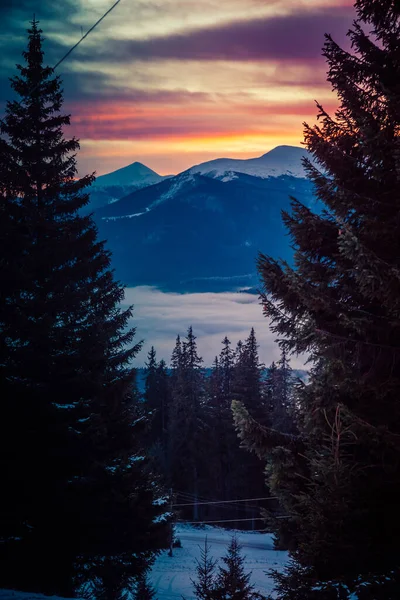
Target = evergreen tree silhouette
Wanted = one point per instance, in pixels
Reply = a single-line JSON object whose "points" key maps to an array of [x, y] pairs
{"points": [[76, 500]]}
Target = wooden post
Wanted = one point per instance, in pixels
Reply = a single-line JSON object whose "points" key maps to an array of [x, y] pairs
{"points": [[171, 536]]}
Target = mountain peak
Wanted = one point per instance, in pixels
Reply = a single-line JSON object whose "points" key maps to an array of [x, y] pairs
{"points": [[282, 160], [134, 174], [285, 150]]}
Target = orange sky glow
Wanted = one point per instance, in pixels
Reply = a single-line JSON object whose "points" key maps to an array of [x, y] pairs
{"points": [[172, 83]]}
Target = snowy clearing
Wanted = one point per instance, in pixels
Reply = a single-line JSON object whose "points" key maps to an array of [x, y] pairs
{"points": [[171, 577], [14, 595]]}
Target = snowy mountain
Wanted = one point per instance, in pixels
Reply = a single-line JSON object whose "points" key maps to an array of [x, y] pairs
{"points": [[194, 232], [111, 187], [283, 160]]}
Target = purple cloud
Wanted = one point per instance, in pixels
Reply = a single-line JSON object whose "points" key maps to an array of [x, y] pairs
{"points": [[294, 37]]}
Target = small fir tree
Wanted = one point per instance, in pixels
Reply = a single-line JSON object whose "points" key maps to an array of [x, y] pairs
{"points": [[204, 585], [232, 582]]}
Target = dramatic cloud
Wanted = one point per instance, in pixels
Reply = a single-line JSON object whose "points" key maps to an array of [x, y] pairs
{"points": [[173, 82], [159, 317], [294, 37]]}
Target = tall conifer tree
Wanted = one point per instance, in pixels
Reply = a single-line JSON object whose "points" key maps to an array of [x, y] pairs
{"points": [[341, 303], [186, 418], [247, 388], [72, 486]]}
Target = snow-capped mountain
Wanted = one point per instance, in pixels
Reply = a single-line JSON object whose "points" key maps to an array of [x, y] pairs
{"points": [[111, 187], [194, 232], [282, 160]]}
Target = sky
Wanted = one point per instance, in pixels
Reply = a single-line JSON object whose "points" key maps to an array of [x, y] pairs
{"points": [[172, 83]]}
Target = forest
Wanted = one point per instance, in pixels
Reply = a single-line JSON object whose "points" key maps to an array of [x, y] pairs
{"points": [[192, 439], [95, 471]]}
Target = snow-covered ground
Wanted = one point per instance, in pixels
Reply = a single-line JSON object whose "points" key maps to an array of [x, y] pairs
{"points": [[171, 576], [14, 595]]}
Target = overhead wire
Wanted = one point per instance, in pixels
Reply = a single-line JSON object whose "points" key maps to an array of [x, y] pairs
{"points": [[221, 521], [89, 31], [205, 501], [86, 34], [227, 501]]}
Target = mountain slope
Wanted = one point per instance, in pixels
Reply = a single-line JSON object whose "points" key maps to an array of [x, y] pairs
{"points": [[198, 233]]}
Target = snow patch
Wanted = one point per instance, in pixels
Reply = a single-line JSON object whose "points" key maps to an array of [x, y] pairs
{"points": [[172, 576], [136, 459], [160, 501], [180, 181], [15, 595], [283, 160], [162, 518], [229, 176], [124, 216]]}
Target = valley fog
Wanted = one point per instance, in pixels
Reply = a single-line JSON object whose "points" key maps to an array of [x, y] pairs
{"points": [[160, 316]]}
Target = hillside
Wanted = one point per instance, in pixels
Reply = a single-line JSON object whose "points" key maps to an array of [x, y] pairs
{"points": [[196, 233]]}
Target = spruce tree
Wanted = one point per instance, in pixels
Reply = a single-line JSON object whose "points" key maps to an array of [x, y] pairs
{"points": [[226, 361], [220, 428], [279, 386], [74, 494], [150, 376], [163, 390], [340, 303], [156, 397], [247, 380], [144, 590], [232, 480], [247, 388], [204, 585], [186, 430], [232, 582]]}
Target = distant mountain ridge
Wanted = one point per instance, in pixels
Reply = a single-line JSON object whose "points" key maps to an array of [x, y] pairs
{"points": [[283, 160], [202, 229]]}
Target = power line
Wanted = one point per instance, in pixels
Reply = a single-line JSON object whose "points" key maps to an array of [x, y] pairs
{"points": [[196, 499], [86, 35], [77, 44], [224, 521], [232, 506], [227, 501]]}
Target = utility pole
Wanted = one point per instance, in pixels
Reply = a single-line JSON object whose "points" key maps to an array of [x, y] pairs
{"points": [[195, 505], [171, 535]]}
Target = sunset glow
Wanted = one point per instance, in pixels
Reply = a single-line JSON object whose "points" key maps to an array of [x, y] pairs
{"points": [[174, 83]]}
